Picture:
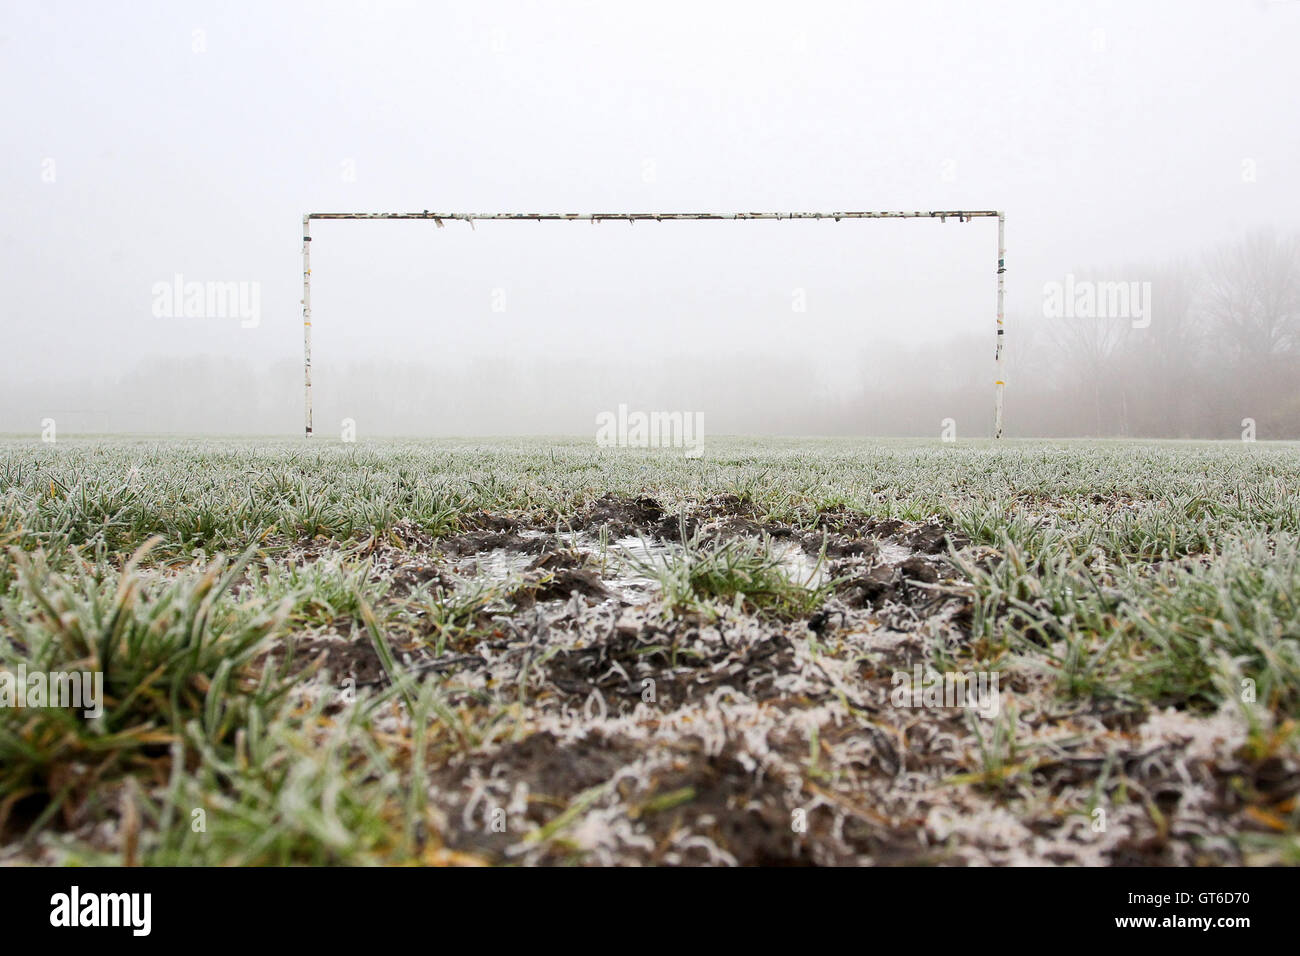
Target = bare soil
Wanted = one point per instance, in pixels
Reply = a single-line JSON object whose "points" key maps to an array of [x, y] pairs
{"points": [[642, 736]]}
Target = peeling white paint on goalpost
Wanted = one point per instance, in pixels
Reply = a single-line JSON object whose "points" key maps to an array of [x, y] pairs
{"points": [[1000, 381], [961, 215], [306, 317]]}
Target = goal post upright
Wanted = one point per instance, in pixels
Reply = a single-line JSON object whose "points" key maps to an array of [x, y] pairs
{"points": [[306, 320], [962, 215], [1000, 378]]}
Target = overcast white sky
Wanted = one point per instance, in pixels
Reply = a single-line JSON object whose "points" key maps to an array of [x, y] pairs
{"points": [[190, 138]]}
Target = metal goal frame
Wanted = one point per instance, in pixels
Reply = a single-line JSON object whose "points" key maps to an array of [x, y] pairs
{"points": [[961, 215]]}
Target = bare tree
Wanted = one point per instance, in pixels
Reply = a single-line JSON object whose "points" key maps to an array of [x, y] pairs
{"points": [[1162, 362], [1252, 296], [1087, 346]]}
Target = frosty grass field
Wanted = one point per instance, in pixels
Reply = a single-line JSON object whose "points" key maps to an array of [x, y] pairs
{"points": [[539, 651]]}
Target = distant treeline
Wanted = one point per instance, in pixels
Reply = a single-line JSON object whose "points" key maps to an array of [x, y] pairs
{"points": [[1206, 349], [1223, 345], [1214, 342]]}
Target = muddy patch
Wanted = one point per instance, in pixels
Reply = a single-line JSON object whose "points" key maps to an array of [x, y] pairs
{"points": [[557, 576], [618, 730]]}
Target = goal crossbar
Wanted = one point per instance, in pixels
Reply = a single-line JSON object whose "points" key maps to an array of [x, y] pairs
{"points": [[961, 215]]}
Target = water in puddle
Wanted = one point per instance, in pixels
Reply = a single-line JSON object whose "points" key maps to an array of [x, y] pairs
{"points": [[624, 574], [891, 552], [801, 567], [498, 565], [623, 563]]}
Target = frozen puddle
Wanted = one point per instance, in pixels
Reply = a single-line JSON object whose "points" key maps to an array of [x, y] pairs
{"points": [[627, 563], [499, 564], [891, 552], [627, 566], [638, 558], [622, 565], [800, 566]]}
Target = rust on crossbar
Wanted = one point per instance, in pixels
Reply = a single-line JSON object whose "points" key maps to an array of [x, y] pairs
{"points": [[961, 214]]}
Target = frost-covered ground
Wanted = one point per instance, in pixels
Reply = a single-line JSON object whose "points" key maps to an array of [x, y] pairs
{"points": [[541, 652]]}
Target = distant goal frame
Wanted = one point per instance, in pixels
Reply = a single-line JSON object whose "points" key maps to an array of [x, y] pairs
{"points": [[962, 215]]}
